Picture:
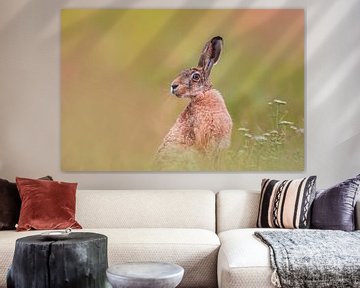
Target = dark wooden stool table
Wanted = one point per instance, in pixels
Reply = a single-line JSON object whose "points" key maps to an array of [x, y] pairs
{"points": [[78, 261]]}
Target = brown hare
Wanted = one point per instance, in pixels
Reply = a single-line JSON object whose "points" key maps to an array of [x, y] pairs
{"points": [[203, 130]]}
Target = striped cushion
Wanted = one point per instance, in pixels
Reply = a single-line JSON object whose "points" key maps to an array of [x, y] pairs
{"points": [[286, 204]]}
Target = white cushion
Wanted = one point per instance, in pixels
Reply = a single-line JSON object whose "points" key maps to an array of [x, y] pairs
{"points": [[196, 250], [244, 261], [146, 209], [236, 209]]}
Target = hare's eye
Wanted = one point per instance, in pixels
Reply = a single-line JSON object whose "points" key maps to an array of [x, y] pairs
{"points": [[196, 76]]}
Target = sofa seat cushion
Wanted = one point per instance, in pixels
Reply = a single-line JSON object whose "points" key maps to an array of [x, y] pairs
{"points": [[194, 249], [244, 261]]}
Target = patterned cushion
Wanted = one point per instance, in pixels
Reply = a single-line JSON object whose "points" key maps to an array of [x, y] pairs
{"points": [[286, 204]]}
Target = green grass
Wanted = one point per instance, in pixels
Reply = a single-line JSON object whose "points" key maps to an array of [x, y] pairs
{"points": [[279, 148]]}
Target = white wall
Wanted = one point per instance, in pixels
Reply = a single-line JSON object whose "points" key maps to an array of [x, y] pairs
{"points": [[30, 94]]}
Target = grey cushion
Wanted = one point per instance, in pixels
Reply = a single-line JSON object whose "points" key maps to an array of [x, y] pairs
{"points": [[334, 208]]}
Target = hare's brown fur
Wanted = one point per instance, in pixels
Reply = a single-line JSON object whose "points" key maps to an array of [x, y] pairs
{"points": [[203, 129]]}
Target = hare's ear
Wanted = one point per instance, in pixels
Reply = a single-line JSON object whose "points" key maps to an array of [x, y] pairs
{"points": [[210, 54]]}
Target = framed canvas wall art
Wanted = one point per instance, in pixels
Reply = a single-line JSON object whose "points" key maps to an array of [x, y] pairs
{"points": [[182, 90]]}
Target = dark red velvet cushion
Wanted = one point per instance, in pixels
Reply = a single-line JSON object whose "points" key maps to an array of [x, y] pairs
{"points": [[46, 204], [10, 204]]}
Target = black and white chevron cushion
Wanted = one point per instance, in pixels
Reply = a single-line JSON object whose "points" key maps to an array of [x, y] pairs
{"points": [[286, 204]]}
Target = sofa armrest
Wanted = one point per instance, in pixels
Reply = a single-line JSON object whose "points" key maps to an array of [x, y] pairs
{"points": [[357, 215]]}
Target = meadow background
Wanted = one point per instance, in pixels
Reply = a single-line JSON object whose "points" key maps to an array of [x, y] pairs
{"points": [[116, 70]]}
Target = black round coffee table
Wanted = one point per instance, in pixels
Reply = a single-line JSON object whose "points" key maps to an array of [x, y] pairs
{"points": [[79, 260]]}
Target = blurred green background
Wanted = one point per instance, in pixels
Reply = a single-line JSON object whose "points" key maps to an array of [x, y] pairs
{"points": [[116, 70]]}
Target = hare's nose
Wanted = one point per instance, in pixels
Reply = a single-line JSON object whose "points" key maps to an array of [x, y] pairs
{"points": [[174, 86]]}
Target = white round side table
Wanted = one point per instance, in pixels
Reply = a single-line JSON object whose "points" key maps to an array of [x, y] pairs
{"points": [[145, 275]]}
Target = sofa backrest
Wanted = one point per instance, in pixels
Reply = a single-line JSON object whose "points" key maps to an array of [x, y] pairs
{"points": [[239, 209], [236, 209], [146, 209]]}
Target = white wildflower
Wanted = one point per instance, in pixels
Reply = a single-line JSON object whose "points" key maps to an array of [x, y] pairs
{"points": [[286, 123], [280, 102], [300, 130], [260, 138]]}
